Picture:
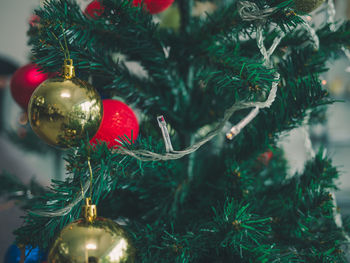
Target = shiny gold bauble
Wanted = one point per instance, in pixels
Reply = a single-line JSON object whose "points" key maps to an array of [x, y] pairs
{"points": [[307, 6], [63, 111], [101, 241]]}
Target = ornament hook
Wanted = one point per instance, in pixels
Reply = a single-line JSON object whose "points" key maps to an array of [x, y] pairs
{"points": [[68, 69], [89, 211]]}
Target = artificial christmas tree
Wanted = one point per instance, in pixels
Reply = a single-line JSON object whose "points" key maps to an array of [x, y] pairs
{"points": [[225, 97]]}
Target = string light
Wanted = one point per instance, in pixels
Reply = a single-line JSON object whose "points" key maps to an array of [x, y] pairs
{"points": [[165, 133], [235, 130], [248, 11]]}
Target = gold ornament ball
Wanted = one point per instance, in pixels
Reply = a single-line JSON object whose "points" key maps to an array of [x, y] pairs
{"points": [[307, 6], [62, 111], [101, 241]]}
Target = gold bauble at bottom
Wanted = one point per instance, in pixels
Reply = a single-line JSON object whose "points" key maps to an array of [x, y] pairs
{"points": [[63, 111], [102, 241], [307, 6]]}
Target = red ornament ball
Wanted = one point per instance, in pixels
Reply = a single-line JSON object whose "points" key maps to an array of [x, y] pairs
{"points": [[24, 81], [34, 20], [154, 6], [94, 10], [265, 157], [118, 121]]}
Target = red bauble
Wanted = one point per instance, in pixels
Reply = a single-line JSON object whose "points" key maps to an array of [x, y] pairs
{"points": [[24, 81], [154, 6], [34, 20], [118, 121], [94, 9], [265, 157]]}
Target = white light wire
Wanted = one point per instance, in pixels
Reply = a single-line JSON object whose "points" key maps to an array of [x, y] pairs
{"points": [[235, 130], [248, 11], [312, 33], [145, 155], [65, 210]]}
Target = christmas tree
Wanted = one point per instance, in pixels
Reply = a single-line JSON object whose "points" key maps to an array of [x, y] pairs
{"points": [[203, 179]]}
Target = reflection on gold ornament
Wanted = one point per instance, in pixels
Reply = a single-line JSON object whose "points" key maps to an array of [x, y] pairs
{"points": [[64, 110], [101, 241]]}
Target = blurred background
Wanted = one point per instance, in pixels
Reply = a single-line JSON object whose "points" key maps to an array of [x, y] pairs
{"points": [[26, 158]]}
